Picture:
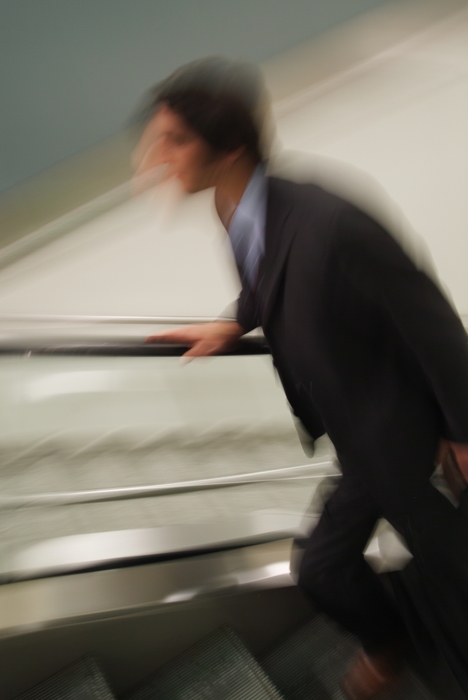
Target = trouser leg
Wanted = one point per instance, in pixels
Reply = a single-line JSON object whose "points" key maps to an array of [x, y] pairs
{"points": [[437, 578], [335, 575]]}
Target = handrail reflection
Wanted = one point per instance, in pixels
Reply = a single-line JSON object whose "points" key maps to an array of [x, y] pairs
{"points": [[69, 318], [153, 490]]}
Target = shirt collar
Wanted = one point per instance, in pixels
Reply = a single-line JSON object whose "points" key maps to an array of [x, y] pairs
{"points": [[254, 197]]}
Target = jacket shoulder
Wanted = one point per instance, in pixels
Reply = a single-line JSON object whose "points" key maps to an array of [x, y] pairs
{"points": [[304, 195], [311, 206]]}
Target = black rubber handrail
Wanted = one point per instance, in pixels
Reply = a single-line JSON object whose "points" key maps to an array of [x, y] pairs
{"points": [[255, 345]]}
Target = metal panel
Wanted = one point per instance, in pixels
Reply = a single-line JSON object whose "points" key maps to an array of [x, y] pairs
{"points": [[47, 602], [106, 549]]}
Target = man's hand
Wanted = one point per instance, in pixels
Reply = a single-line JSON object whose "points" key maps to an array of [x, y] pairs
{"points": [[453, 457], [203, 338], [460, 451]]}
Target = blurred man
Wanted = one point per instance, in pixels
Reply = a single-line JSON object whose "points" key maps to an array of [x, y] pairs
{"points": [[366, 346]]}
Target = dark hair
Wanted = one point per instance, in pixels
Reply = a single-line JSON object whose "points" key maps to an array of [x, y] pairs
{"points": [[220, 100]]}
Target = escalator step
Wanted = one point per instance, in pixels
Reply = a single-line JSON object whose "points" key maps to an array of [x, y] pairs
{"points": [[218, 667], [82, 680], [310, 664]]}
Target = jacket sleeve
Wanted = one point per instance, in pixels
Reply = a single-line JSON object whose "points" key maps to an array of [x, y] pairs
{"points": [[374, 262], [301, 405], [246, 314]]}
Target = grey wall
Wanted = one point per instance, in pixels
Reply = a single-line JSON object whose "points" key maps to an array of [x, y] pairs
{"points": [[72, 70]]}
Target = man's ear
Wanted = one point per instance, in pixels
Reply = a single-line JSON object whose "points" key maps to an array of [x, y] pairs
{"points": [[224, 163], [229, 159], [234, 156]]}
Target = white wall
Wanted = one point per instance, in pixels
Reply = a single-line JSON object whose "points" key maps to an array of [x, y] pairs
{"points": [[402, 117], [155, 255]]}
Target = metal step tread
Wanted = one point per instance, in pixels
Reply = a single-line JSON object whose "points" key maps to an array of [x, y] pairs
{"points": [[218, 666], [82, 680], [309, 665]]}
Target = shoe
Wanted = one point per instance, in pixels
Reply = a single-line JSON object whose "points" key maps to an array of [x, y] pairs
{"points": [[369, 676]]}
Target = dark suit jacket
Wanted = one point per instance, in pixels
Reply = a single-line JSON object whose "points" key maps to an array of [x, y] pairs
{"points": [[367, 347]]}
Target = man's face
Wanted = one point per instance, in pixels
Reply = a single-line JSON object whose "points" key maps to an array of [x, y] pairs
{"points": [[168, 140]]}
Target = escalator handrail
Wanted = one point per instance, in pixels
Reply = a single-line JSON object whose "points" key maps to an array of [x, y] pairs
{"points": [[252, 345]]}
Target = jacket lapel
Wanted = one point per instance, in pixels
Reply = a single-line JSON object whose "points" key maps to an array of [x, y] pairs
{"points": [[278, 239]]}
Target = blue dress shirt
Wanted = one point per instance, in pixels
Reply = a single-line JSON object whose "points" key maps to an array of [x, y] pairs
{"points": [[247, 228]]}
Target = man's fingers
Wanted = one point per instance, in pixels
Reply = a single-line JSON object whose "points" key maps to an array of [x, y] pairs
{"points": [[198, 348], [168, 336], [187, 335], [201, 349], [202, 339]]}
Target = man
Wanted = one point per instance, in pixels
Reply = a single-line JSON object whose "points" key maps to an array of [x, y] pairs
{"points": [[366, 346]]}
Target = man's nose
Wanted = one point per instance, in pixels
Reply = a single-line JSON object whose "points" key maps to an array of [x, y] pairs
{"points": [[151, 167]]}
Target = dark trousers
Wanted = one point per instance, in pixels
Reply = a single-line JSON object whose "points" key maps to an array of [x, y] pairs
{"points": [[432, 590], [337, 578]]}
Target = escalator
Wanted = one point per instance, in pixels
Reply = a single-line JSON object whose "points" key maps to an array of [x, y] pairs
{"points": [[227, 624], [304, 666], [140, 564]]}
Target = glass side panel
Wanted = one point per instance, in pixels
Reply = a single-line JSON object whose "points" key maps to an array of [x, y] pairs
{"points": [[78, 423]]}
